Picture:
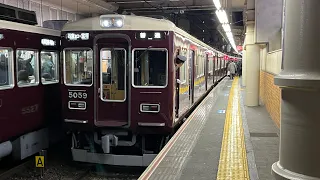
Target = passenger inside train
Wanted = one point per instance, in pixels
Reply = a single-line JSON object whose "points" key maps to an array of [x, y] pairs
{"points": [[47, 67], [23, 77], [26, 65]]}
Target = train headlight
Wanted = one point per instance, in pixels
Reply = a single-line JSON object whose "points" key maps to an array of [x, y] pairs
{"points": [[111, 22], [118, 23], [106, 23]]}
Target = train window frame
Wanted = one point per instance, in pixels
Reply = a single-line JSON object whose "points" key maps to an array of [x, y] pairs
{"points": [[36, 64], [167, 68], [10, 73], [200, 65], [64, 66], [125, 75], [183, 68], [56, 66], [210, 64]]}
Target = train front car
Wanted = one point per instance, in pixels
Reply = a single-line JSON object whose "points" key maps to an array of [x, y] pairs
{"points": [[118, 88]]}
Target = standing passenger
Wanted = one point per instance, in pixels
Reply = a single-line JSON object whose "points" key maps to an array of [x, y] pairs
{"points": [[240, 68], [232, 68]]}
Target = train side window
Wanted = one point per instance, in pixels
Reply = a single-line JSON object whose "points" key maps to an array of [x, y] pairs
{"points": [[78, 67], [150, 68], [6, 68], [211, 61], [183, 68], [49, 67], [27, 68]]}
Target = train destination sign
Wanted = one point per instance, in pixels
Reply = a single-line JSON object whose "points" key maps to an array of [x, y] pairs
{"points": [[77, 36]]}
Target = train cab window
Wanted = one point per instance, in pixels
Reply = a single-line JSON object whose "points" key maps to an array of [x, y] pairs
{"points": [[78, 67], [27, 68], [49, 67], [113, 74], [150, 67], [6, 76]]}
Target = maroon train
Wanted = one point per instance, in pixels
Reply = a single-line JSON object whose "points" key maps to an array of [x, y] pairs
{"points": [[29, 84], [128, 82]]}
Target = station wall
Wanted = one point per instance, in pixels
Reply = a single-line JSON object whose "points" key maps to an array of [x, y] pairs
{"points": [[44, 10], [270, 94]]}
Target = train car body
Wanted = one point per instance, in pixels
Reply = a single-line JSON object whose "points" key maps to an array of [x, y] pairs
{"points": [[128, 83], [29, 88]]}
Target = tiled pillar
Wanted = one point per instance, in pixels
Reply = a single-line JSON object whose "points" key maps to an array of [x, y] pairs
{"points": [[252, 68], [244, 68], [300, 84]]}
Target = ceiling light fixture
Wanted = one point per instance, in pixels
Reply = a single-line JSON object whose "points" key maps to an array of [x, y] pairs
{"points": [[223, 19], [217, 4]]}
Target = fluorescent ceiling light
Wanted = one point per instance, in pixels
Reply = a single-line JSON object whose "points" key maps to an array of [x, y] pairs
{"points": [[217, 4], [226, 27], [222, 16]]}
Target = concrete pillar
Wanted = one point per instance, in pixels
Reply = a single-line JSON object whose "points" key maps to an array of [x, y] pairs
{"points": [[244, 68], [252, 68], [300, 83]]}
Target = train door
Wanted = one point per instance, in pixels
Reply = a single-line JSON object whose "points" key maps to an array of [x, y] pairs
{"points": [[191, 76], [177, 94], [111, 83]]}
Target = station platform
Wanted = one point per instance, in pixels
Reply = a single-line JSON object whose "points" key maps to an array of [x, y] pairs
{"points": [[221, 139]]}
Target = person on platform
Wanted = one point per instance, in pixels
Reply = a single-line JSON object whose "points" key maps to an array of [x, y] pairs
{"points": [[232, 69]]}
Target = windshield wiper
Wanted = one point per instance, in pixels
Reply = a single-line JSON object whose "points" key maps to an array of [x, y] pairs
{"points": [[143, 53]]}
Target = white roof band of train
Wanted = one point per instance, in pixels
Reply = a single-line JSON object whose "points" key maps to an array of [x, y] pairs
{"points": [[132, 23]]}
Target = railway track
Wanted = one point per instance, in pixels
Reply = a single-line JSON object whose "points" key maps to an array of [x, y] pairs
{"points": [[12, 171]]}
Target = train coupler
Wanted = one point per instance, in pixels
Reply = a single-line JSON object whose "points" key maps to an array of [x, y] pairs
{"points": [[107, 141]]}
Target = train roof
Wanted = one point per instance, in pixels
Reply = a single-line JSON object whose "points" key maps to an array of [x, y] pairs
{"points": [[137, 23], [28, 28]]}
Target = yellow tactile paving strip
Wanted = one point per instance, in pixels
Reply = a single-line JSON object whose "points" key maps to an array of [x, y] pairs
{"points": [[233, 163]]}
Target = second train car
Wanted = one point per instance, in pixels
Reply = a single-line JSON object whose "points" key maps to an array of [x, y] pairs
{"points": [[29, 84], [128, 81]]}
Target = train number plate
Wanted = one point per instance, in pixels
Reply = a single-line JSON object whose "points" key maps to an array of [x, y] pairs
{"points": [[78, 95], [78, 105]]}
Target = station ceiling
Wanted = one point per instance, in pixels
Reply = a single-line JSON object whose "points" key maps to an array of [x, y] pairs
{"points": [[195, 16], [203, 22]]}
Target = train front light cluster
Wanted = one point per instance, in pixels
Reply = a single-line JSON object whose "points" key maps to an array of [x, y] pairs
{"points": [[111, 22]]}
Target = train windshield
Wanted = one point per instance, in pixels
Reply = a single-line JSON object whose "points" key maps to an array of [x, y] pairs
{"points": [[150, 67], [49, 67], [78, 67]]}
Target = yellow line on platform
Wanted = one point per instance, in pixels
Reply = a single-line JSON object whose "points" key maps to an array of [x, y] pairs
{"points": [[233, 164]]}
